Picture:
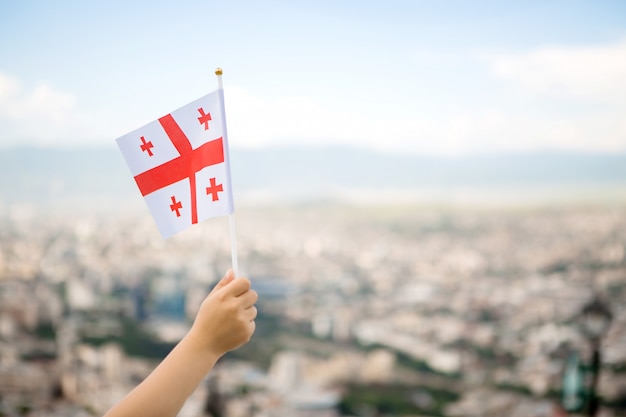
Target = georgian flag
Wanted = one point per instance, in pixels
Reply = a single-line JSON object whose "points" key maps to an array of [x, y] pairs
{"points": [[180, 164]]}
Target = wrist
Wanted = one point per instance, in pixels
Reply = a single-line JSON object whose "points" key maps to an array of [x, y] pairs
{"points": [[199, 350]]}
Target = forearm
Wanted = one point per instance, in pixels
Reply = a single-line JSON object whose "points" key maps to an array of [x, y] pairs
{"points": [[164, 391], [224, 322]]}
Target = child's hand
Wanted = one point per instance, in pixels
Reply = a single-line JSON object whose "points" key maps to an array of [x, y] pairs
{"points": [[225, 319], [224, 322]]}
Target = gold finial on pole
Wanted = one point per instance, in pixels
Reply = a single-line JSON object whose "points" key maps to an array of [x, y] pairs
{"points": [[218, 73]]}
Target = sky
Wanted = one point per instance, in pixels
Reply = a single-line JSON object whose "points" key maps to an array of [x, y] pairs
{"points": [[445, 77]]}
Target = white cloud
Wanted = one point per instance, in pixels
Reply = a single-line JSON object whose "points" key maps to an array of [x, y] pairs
{"points": [[567, 98], [260, 121], [8, 86], [591, 72], [504, 130], [42, 115], [534, 115], [256, 120]]}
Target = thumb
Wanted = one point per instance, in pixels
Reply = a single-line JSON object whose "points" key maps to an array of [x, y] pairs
{"points": [[230, 275]]}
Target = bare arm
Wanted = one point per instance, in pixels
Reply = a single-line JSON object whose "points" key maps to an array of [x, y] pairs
{"points": [[224, 322]]}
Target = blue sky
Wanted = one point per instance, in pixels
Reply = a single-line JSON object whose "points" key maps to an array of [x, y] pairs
{"points": [[423, 76]]}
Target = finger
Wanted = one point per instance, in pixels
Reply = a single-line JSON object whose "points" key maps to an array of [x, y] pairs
{"points": [[226, 279], [238, 286], [248, 299], [250, 313]]}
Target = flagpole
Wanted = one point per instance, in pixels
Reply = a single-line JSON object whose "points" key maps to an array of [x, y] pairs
{"points": [[231, 216]]}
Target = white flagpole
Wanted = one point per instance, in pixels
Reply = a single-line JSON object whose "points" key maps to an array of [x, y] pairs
{"points": [[231, 216]]}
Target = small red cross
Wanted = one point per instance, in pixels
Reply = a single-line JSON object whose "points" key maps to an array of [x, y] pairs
{"points": [[176, 206], [214, 189], [146, 146], [204, 118]]}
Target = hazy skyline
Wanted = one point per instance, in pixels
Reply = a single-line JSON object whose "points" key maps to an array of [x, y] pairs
{"points": [[449, 77]]}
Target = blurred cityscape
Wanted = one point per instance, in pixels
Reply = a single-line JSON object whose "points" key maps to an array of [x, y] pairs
{"points": [[363, 311], [430, 202]]}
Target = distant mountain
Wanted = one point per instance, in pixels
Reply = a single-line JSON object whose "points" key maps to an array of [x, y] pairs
{"points": [[299, 173], [363, 168]]}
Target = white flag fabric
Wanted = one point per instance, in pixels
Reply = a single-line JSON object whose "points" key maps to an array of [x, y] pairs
{"points": [[180, 164]]}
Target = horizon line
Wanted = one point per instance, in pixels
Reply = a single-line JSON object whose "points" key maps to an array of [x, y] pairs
{"points": [[341, 147]]}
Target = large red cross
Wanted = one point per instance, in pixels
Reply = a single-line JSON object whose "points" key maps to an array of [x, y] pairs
{"points": [[184, 166]]}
